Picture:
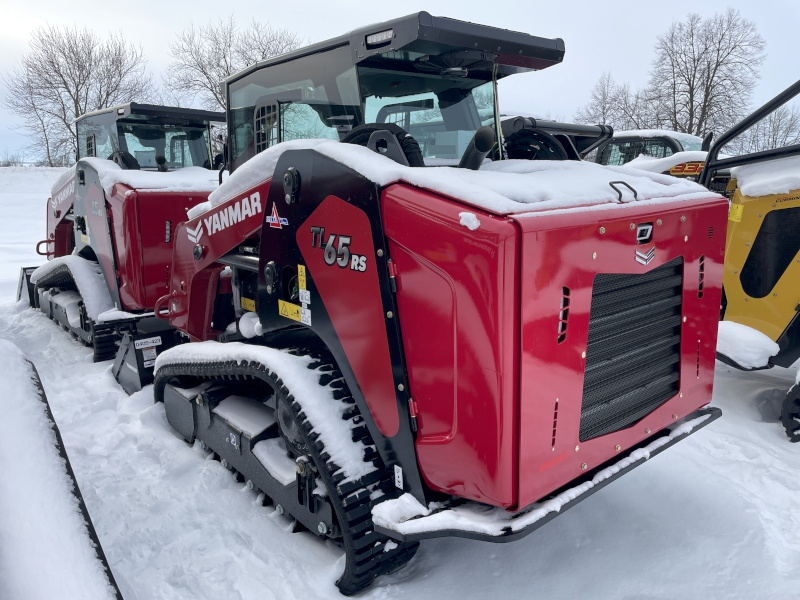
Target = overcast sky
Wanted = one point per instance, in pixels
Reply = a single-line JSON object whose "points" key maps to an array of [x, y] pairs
{"points": [[600, 35]]}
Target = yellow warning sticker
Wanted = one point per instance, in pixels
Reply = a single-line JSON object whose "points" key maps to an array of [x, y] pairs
{"points": [[288, 310], [301, 276], [248, 304], [736, 212]]}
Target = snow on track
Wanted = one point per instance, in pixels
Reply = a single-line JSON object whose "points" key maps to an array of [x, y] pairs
{"points": [[40, 518], [715, 517]]}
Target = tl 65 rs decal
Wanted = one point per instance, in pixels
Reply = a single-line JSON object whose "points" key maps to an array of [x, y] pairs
{"points": [[337, 250]]}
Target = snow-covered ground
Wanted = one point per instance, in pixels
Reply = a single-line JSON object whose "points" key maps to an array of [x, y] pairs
{"points": [[717, 516]]}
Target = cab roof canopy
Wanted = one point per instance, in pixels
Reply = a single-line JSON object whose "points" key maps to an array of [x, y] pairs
{"points": [[436, 44], [152, 112]]}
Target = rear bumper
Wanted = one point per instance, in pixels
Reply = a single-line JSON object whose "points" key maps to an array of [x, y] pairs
{"points": [[490, 524]]}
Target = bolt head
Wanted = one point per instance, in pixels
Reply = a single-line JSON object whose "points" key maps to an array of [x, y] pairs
{"points": [[322, 528], [617, 447], [198, 251], [602, 230], [279, 509], [380, 252], [647, 431], [681, 394], [250, 485], [684, 319], [674, 417], [659, 222], [686, 238], [632, 226], [301, 467], [683, 219], [401, 387], [224, 463], [594, 254], [389, 314], [583, 354], [288, 199], [577, 448], [584, 466]]}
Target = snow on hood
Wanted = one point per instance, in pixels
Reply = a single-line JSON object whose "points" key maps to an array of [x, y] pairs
{"points": [[88, 278], [659, 165], [502, 187], [40, 520], [744, 345], [187, 179], [766, 178]]}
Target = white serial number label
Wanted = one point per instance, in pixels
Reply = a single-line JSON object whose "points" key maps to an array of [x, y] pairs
{"points": [[147, 342]]}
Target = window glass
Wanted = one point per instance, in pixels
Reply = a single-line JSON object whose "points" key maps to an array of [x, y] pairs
{"points": [[100, 129], [316, 93], [441, 114], [620, 153], [181, 146]]}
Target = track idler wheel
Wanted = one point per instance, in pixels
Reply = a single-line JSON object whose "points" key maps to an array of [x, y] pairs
{"points": [[790, 415]]}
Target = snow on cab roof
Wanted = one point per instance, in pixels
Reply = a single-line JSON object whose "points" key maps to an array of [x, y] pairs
{"points": [[187, 179], [766, 178], [658, 133], [505, 187]]}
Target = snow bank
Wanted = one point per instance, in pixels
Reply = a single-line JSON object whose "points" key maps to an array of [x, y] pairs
{"points": [[766, 178], [317, 401], [46, 551], [406, 515], [502, 187], [89, 280], [659, 165], [187, 179], [744, 345]]}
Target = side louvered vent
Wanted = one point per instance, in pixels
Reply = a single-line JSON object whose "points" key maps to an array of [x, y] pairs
{"points": [[701, 276], [555, 424], [563, 315], [633, 353]]}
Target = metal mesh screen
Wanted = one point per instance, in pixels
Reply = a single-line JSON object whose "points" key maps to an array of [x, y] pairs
{"points": [[633, 354]]}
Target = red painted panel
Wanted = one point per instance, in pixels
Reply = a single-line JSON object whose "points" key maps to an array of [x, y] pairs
{"points": [[218, 231], [558, 250], [353, 301], [58, 230], [457, 304]]}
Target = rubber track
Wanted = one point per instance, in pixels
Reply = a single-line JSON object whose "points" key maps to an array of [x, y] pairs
{"points": [[105, 339], [790, 415], [364, 548]]}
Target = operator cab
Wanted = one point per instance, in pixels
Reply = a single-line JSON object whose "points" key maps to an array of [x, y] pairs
{"points": [[627, 145], [149, 137], [432, 77]]}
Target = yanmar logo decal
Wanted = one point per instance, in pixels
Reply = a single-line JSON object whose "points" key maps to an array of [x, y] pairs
{"points": [[63, 195], [235, 213], [644, 258]]}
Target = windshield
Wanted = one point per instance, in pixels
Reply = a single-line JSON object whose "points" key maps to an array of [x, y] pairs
{"points": [[441, 113], [181, 146]]}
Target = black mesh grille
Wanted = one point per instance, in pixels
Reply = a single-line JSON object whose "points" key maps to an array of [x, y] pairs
{"points": [[633, 354]]}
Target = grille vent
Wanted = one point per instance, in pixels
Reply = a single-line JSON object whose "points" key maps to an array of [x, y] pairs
{"points": [[701, 276], [710, 232], [633, 353], [563, 315]]}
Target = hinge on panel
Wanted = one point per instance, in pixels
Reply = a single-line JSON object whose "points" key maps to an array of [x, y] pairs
{"points": [[413, 411], [392, 274]]}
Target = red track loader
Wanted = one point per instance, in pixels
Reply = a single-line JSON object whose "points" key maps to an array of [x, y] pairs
{"points": [[398, 328]]}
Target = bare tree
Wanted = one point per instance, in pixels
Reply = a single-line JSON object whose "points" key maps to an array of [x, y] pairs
{"points": [[778, 129], [701, 80], [204, 56], [69, 72], [704, 72]]}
